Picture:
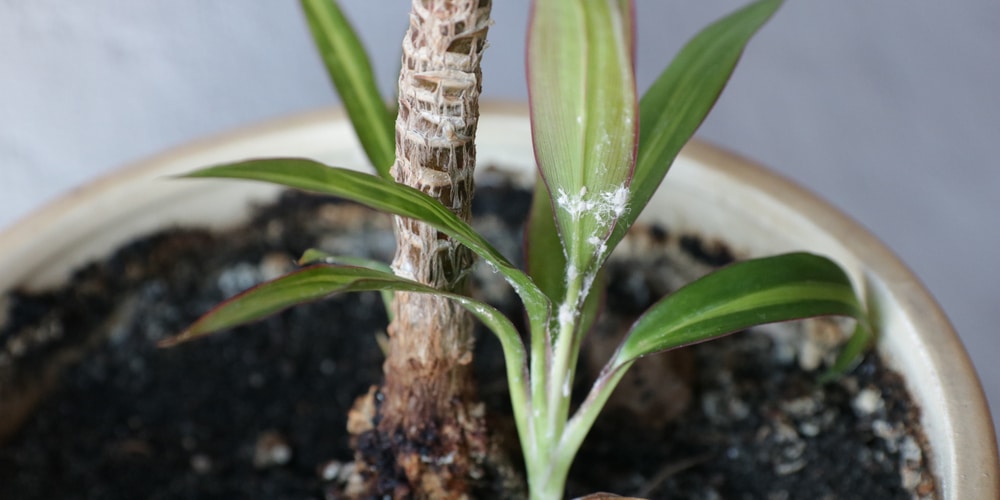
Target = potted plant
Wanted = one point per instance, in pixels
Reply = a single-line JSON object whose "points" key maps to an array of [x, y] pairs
{"points": [[595, 185]]}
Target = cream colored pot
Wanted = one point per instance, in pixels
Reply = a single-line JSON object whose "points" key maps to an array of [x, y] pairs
{"points": [[721, 196]]}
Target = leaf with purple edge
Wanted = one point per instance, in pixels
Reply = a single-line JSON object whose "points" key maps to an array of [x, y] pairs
{"points": [[318, 282], [315, 256], [583, 114], [388, 196]]}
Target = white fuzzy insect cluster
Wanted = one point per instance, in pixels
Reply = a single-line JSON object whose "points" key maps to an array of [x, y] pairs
{"points": [[572, 272], [575, 206], [566, 314], [604, 208]]}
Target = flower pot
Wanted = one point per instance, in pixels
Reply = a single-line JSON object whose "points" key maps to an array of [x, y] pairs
{"points": [[708, 192]]}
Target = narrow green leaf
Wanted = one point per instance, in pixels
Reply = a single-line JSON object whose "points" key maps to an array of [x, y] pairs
{"points": [[318, 282], [680, 99], [583, 107], [313, 256], [850, 355], [306, 285], [348, 66], [755, 292], [385, 195]]}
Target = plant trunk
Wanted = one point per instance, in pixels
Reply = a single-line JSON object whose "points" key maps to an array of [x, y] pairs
{"points": [[428, 429]]}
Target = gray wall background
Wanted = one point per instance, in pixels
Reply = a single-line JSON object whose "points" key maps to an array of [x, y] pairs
{"points": [[888, 109]]}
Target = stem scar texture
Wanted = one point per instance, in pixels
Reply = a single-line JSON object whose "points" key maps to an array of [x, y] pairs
{"points": [[429, 414]]}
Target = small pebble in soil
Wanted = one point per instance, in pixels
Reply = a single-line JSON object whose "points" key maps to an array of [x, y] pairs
{"points": [[867, 402], [274, 265], [336, 472], [820, 341], [802, 406], [329, 471], [809, 429], [910, 478], [238, 278], [910, 451], [885, 431], [271, 450]]}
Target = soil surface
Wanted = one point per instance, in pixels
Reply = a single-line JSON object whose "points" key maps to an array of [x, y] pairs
{"points": [[260, 412]]}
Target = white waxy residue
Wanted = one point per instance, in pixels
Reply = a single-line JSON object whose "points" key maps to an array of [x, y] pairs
{"points": [[604, 207], [565, 314]]}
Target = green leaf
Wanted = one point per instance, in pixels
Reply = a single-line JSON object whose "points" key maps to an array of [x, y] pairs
{"points": [[388, 196], [314, 256], [583, 107], [352, 75], [677, 103], [754, 292], [299, 287], [318, 282], [850, 355]]}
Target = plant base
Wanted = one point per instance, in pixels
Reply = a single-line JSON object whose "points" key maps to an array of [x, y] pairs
{"points": [[133, 421]]}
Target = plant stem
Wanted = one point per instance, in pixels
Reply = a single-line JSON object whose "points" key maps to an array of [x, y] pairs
{"points": [[547, 474], [561, 376], [547, 467], [428, 391]]}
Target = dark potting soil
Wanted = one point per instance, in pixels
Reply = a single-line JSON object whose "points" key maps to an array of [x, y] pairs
{"points": [[260, 412]]}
